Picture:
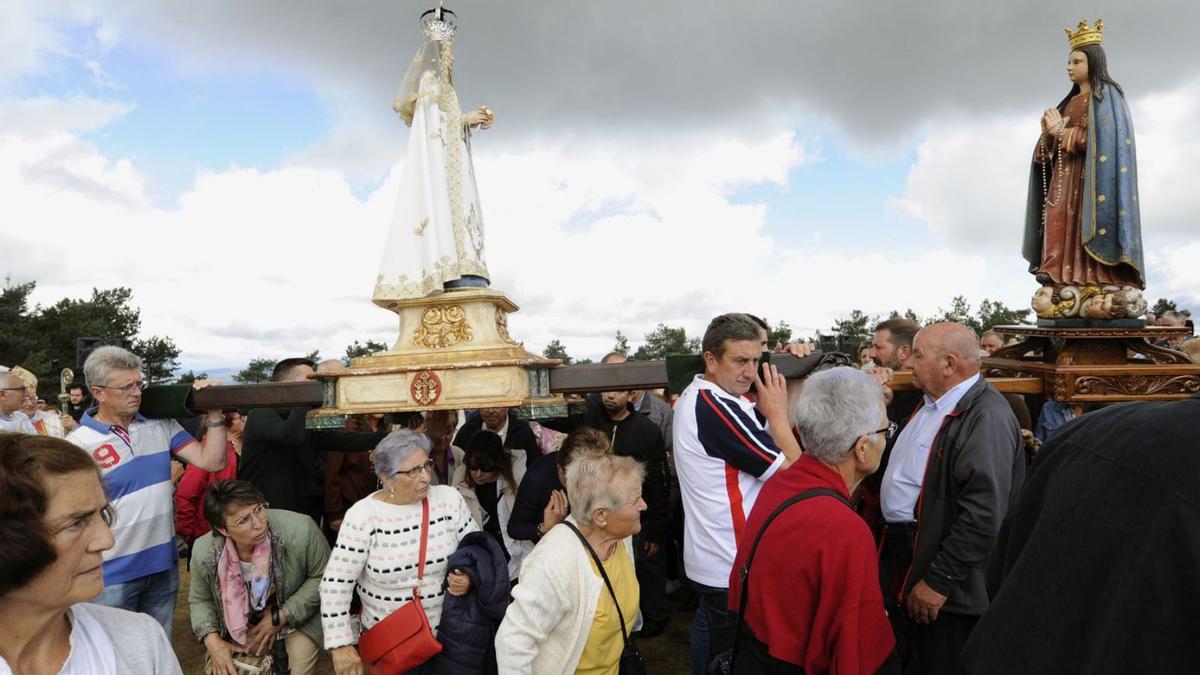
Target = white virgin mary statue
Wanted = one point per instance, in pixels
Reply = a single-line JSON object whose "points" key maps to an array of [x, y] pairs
{"points": [[436, 237]]}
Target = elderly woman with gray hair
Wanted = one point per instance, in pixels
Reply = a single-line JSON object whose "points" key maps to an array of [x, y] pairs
{"points": [[813, 602], [378, 548], [564, 617]]}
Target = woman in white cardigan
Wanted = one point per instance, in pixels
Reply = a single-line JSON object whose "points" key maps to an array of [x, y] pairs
{"points": [[563, 619], [487, 478]]}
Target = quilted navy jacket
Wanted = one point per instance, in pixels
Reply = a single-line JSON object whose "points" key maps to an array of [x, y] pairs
{"points": [[469, 623]]}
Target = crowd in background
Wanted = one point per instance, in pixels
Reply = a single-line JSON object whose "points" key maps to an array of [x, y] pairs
{"points": [[879, 520]]}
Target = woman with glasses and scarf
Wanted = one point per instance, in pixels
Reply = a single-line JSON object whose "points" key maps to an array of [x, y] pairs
{"points": [[255, 579], [488, 483], [378, 548]]}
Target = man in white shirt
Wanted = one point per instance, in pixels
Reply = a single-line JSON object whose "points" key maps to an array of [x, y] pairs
{"points": [[954, 469], [12, 397], [725, 448]]}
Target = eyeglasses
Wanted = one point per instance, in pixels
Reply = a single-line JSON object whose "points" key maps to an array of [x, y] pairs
{"points": [[415, 472], [259, 513], [21, 389], [889, 431], [137, 385], [483, 468]]}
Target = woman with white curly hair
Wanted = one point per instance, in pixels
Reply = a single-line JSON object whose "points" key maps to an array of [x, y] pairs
{"points": [[564, 617]]}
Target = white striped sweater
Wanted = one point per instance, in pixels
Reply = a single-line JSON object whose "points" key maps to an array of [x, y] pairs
{"points": [[376, 556]]}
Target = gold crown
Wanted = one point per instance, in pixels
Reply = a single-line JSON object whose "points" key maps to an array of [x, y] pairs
{"points": [[1084, 35]]}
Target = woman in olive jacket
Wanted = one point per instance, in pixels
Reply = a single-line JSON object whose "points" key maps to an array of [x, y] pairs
{"points": [[255, 580]]}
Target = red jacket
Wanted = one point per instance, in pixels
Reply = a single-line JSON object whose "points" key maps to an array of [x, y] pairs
{"points": [[190, 522], [814, 583]]}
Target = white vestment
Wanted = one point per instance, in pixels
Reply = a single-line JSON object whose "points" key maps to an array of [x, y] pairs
{"points": [[437, 229]]}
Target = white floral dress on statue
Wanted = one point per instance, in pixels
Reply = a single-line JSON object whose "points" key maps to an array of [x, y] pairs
{"points": [[437, 229]]}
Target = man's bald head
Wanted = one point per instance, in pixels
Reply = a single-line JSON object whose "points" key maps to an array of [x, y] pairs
{"points": [[329, 365], [613, 357], [944, 354]]}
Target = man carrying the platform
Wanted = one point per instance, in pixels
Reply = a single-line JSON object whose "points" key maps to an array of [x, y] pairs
{"points": [[284, 459], [505, 423], [725, 448], [954, 470], [134, 455]]}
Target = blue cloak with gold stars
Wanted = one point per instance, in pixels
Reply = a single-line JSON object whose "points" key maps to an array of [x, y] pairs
{"points": [[1110, 222]]}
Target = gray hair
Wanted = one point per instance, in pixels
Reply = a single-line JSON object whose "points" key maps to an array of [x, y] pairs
{"points": [[836, 407], [101, 362], [734, 326], [397, 447], [590, 483]]}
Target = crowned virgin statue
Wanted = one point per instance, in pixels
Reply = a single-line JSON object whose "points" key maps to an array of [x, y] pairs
{"points": [[1082, 228], [436, 237]]}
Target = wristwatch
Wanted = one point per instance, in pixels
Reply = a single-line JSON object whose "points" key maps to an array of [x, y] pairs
{"points": [[213, 424]]}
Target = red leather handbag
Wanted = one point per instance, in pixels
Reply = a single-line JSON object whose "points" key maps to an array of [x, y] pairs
{"points": [[404, 639]]}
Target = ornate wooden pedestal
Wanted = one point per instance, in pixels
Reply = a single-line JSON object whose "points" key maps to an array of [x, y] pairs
{"points": [[1097, 364], [454, 352]]}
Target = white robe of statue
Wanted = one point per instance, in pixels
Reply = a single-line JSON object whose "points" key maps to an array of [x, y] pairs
{"points": [[437, 229]]}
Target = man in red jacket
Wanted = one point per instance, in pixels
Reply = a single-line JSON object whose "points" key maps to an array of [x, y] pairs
{"points": [[813, 599]]}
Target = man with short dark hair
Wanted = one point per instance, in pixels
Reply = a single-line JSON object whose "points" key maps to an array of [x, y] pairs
{"points": [[725, 448], [891, 347], [284, 459], [77, 401], [955, 467]]}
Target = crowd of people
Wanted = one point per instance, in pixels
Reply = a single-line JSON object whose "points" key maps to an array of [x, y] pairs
{"points": [[847, 525]]}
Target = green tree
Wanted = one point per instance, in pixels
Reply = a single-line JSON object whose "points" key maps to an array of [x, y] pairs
{"points": [[556, 350], [856, 327], [622, 345], [1163, 306], [15, 336], [258, 370], [43, 338], [780, 333], [908, 314], [160, 358], [994, 313], [358, 349], [959, 312], [665, 340], [191, 376]]}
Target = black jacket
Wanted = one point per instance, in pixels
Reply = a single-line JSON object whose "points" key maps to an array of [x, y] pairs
{"points": [[520, 435], [469, 623], [637, 437], [541, 479], [1096, 565], [976, 466], [283, 459]]}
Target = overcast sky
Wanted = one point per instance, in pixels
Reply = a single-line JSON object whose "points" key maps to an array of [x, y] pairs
{"points": [[236, 163]]}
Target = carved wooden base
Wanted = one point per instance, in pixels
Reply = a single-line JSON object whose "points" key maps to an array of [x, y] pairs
{"points": [[454, 352], [1097, 364]]}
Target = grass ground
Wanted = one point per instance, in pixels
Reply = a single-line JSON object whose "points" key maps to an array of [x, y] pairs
{"points": [[666, 654]]}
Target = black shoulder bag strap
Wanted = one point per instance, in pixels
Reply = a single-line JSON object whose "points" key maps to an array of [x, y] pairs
{"points": [[745, 576], [604, 575]]}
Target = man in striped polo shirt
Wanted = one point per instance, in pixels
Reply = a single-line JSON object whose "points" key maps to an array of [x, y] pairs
{"points": [[134, 455], [725, 448]]}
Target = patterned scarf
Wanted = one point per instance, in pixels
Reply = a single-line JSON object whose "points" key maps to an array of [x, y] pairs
{"points": [[236, 600]]}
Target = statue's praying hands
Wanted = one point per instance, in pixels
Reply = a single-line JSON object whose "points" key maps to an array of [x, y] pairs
{"points": [[1053, 123]]}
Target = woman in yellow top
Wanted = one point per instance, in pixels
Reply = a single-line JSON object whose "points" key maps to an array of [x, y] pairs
{"points": [[563, 619]]}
